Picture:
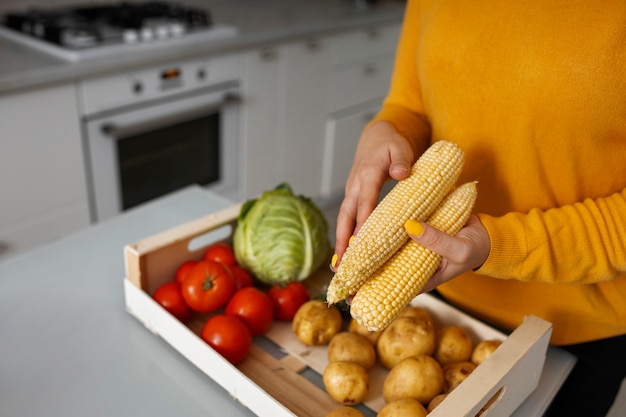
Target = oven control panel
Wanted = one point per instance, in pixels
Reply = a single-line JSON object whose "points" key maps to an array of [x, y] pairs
{"points": [[152, 84]]}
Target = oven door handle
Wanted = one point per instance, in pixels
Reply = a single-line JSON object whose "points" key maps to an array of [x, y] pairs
{"points": [[116, 131]]}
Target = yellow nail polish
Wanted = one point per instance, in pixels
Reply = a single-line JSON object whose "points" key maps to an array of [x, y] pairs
{"points": [[350, 240], [333, 261], [413, 227]]}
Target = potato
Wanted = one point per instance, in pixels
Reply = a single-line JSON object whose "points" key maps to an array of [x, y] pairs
{"points": [[315, 323], [403, 338], [346, 382], [455, 373], [345, 412], [453, 344], [435, 402], [404, 407], [418, 377], [351, 347], [483, 350], [416, 312], [355, 327]]}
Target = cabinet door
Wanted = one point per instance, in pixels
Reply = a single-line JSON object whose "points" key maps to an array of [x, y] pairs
{"points": [[306, 97], [262, 94], [42, 175], [343, 129]]}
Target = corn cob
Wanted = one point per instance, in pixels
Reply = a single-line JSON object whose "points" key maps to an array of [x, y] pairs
{"points": [[402, 277], [382, 234]]}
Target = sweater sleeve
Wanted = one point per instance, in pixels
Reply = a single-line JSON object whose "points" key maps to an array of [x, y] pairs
{"points": [[581, 243]]}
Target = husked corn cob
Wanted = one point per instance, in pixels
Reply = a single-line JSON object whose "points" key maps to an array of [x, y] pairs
{"points": [[402, 277], [432, 176]]}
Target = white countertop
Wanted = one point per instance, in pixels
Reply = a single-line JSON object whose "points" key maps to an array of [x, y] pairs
{"points": [[69, 348]]}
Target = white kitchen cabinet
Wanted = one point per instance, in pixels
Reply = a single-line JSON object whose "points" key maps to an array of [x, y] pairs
{"points": [[361, 66], [262, 101], [306, 97], [42, 176], [343, 129], [305, 103]]}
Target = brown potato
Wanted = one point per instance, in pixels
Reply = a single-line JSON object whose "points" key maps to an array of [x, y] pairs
{"points": [[483, 350], [359, 329], [346, 382], [345, 412], [455, 373], [435, 402], [404, 407], [403, 338], [453, 344], [351, 347], [418, 377], [315, 323], [416, 312]]}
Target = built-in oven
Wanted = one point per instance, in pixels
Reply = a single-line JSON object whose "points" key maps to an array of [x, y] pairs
{"points": [[153, 131]]}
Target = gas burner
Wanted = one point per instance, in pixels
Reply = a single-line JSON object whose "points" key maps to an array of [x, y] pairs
{"points": [[73, 30]]}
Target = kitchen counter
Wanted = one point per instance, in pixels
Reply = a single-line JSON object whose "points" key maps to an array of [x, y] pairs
{"points": [[69, 348], [261, 22]]}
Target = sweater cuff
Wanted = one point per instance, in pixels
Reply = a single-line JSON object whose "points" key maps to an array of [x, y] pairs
{"points": [[509, 248]]}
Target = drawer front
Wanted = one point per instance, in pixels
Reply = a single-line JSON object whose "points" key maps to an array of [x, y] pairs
{"points": [[343, 129], [358, 83], [364, 44]]}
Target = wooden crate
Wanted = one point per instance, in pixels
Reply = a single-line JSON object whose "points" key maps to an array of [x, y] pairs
{"points": [[281, 376]]}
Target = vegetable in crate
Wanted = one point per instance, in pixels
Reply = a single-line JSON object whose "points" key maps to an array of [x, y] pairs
{"points": [[281, 237], [432, 177]]}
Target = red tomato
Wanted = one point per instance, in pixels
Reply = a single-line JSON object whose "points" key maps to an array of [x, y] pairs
{"points": [[183, 270], [221, 252], [287, 299], [170, 297], [253, 307], [242, 277], [229, 336], [208, 286]]}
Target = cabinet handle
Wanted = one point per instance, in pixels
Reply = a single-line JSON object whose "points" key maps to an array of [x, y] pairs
{"points": [[369, 70], [313, 45], [373, 34], [115, 131], [268, 54]]}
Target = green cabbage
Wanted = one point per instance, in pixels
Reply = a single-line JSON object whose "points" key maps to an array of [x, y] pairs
{"points": [[281, 237]]}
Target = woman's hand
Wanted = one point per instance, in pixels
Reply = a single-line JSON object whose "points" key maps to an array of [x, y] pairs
{"points": [[381, 154], [465, 251]]}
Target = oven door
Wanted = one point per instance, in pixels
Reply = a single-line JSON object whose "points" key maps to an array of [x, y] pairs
{"points": [[141, 152]]}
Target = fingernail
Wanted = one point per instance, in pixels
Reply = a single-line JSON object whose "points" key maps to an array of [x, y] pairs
{"points": [[333, 261], [413, 227], [350, 240]]}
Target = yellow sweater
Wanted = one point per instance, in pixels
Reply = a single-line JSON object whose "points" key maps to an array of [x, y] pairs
{"points": [[535, 94]]}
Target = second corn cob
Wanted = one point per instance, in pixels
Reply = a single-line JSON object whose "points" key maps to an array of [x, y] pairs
{"points": [[402, 277], [382, 234]]}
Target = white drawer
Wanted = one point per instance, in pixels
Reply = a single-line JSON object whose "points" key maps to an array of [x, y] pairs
{"points": [[364, 44], [360, 82]]}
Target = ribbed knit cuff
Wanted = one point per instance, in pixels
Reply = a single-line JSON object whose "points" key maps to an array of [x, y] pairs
{"points": [[509, 247]]}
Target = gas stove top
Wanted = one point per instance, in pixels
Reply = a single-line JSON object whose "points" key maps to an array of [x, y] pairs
{"points": [[78, 33]]}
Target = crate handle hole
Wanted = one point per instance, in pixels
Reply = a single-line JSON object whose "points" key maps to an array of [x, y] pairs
{"points": [[215, 235], [490, 404]]}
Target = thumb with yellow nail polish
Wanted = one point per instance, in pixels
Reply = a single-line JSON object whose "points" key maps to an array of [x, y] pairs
{"points": [[413, 227]]}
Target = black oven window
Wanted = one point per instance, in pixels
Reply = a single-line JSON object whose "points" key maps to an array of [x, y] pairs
{"points": [[167, 159]]}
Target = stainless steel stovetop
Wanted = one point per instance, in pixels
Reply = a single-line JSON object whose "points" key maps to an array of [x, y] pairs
{"points": [[81, 33]]}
